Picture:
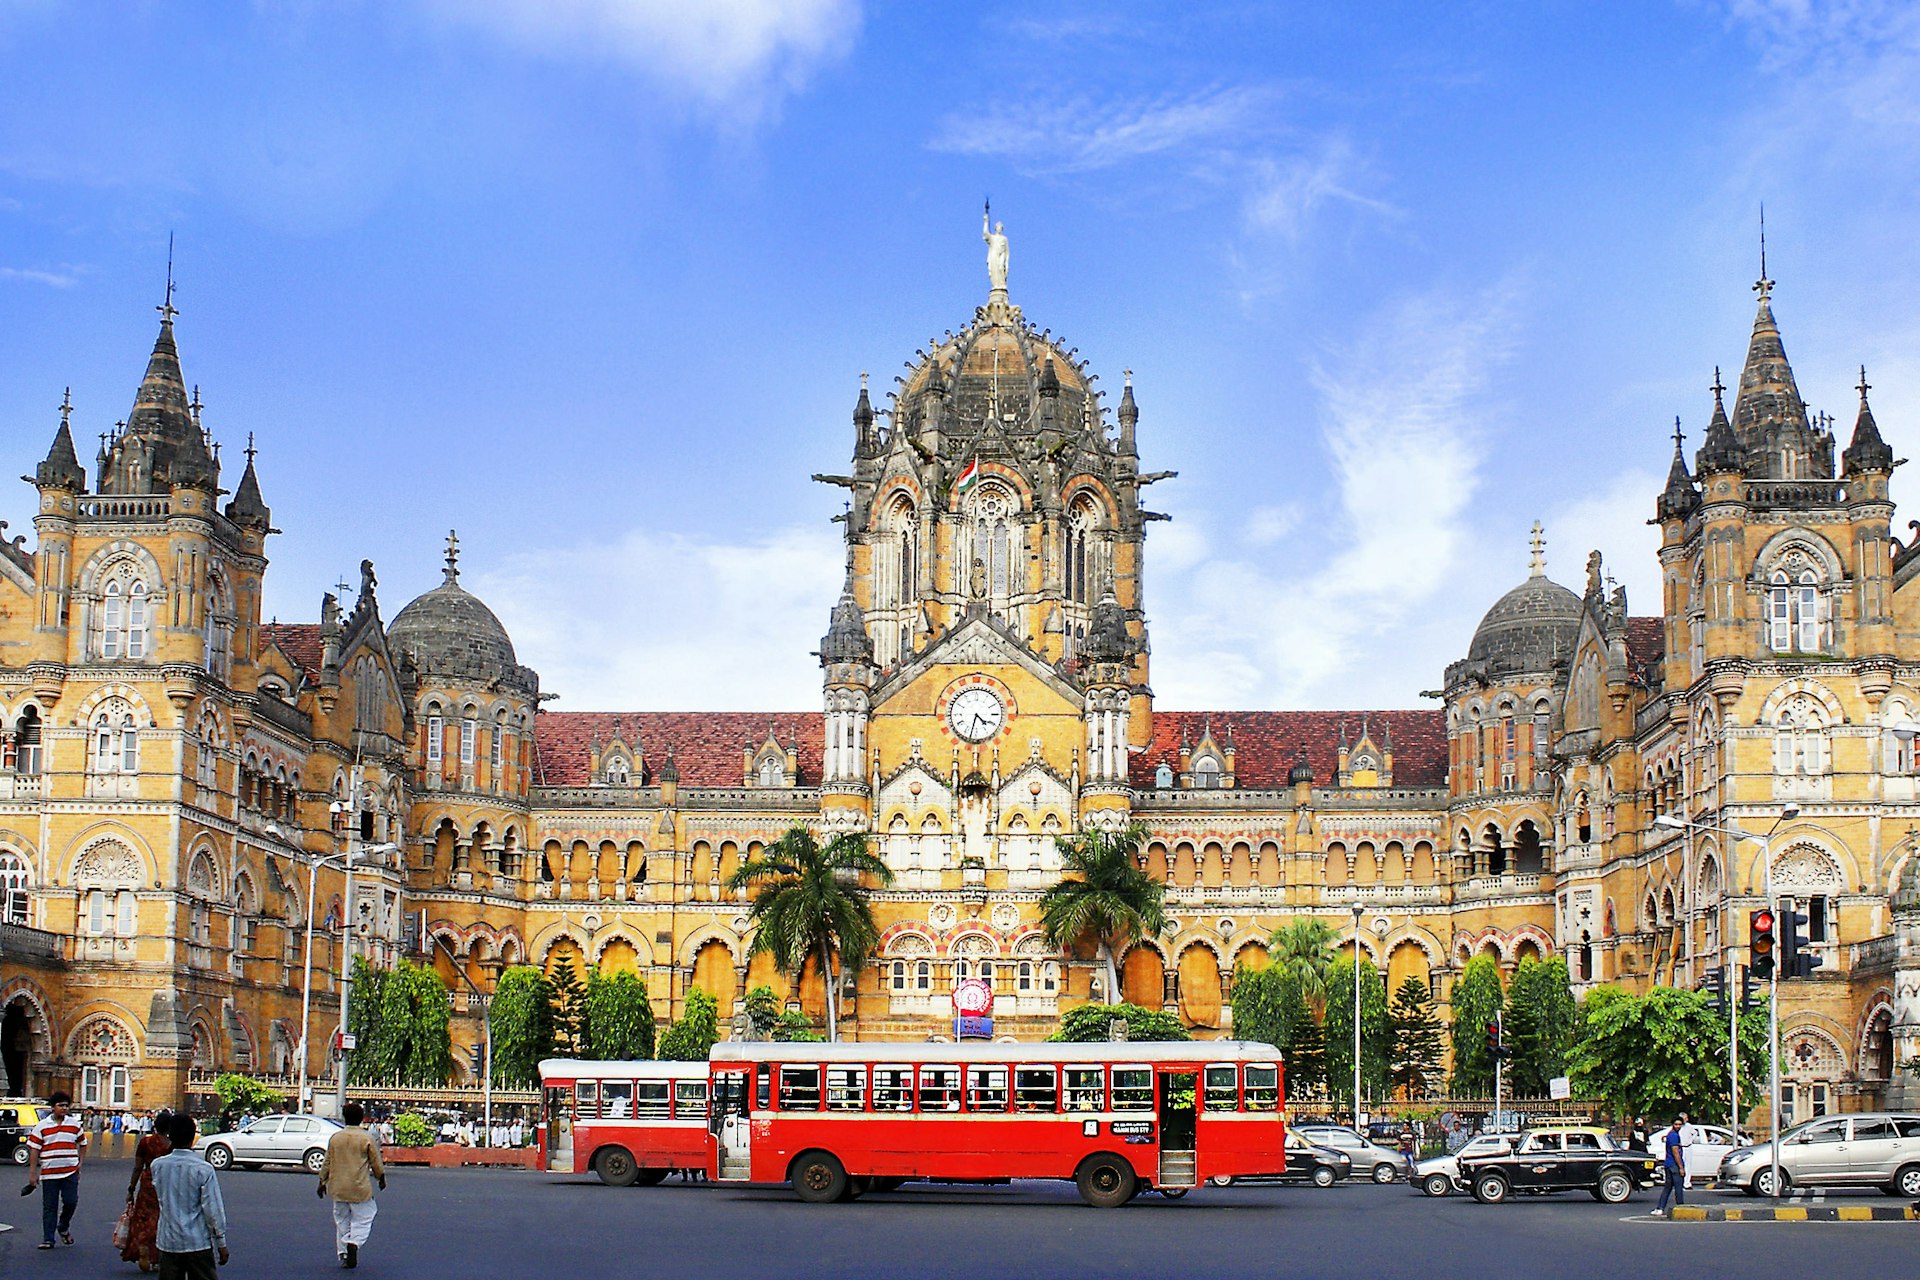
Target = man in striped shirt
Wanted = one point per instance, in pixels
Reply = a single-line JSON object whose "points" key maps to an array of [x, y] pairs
{"points": [[54, 1147]]}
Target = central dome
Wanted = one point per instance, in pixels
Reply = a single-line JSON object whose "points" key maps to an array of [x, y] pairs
{"points": [[450, 632], [1000, 371], [1529, 628]]}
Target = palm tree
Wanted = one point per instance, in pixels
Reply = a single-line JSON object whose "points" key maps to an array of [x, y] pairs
{"points": [[1303, 950], [810, 902], [1103, 895]]}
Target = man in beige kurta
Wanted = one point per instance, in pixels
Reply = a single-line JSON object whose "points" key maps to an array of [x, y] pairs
{"points": [[349, 1174]]}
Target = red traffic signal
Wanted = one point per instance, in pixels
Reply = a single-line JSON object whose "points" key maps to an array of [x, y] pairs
{"points": [[1761, 931], [1494, 1048]]}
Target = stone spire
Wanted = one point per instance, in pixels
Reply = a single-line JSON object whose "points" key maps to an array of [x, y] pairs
{"points": [[1129, 416], [846, 639], [1769, 418], [1679, 499], [1867, 451], [248, 509], [61, 469], [1721, 452], [162, 445], [863, 441]]}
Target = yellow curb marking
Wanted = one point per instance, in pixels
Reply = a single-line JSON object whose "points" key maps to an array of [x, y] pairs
{"points": [[1855, 1213], [1789, 1215]]}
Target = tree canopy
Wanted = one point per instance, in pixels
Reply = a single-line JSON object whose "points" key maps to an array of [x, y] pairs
{"points": [[401, 1023], [522, 1018], [1091, 1022], [1376, 1030], [1303, 950], [1103, 896], [1416, 1040], [619, 1017], [1477, 1000], [1664, 1052], [691, 1037], [1541, 1021]]}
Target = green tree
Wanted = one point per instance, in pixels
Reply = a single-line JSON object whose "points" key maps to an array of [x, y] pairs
{"points": [[811, 902], [403, 1025], [1541, 1019], [522, 1020], [1305, 1046], [244, 1094], [1376, 1030], [1103, 896], [1663, 1052], [691, 1037], [1416, 1039], [793, 1027], [619, 1017], [566, 997], [1091, 1022], [1477, 998], [1303, 949], [763, 1011], [1259, 1005]]}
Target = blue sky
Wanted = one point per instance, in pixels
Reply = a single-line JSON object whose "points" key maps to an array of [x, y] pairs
{"points": [[594, 281]]}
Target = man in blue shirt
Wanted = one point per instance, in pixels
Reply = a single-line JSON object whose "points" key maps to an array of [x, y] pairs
{"points": [[193, 1219], [1673, 1164]]}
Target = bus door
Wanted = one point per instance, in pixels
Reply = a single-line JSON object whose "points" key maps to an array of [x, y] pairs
{"points": [[1179, 1108], [728, 1121], [558, 1130]]}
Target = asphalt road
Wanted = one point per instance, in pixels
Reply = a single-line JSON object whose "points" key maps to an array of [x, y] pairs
{"points": [[468, 1223]]}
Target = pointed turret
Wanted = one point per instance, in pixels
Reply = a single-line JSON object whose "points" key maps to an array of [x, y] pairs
{"points": [[846, 639], [1678, 500], [1867, 451], [1721, 452], [1769, 418], [1129, 416], [162, 445], [248, 509], [864, 445], [61, 469]]}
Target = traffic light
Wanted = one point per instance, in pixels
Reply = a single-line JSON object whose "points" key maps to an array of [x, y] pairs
{"points": [[1796, 960], [1760, 942], [1495, 1049], [1749, 996], [1714, 983]]}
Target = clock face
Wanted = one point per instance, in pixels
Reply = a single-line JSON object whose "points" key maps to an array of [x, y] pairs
{"points": [[976, 714]]}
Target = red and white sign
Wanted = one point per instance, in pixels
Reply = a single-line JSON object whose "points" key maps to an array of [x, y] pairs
{"points": [[973, 998]]}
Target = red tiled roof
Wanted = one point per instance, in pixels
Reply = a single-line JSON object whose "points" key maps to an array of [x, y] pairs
{"points": [[1266, 743], [707, 745], [300, 641], [1646, 643]]}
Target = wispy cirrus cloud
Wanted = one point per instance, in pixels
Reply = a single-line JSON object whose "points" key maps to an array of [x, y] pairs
{"points": [[62, 277], [1085, 134], [734, 57]]}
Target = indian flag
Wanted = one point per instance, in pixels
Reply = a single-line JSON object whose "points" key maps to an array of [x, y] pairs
{"points": [[968, 477]]}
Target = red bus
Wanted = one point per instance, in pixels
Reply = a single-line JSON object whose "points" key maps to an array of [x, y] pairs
{"points": [[629, 1122], [836, 1120]]}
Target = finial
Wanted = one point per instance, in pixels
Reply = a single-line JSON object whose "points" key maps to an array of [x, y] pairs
{"points": [[166, 309], [341, 588], [1128, 374], [863, 379], [250, 449], [66, 407], [1679, 437], [194, 407], [1537, 561], [453, 557], [1863, 384], [1763, 286], [1718, 389]]}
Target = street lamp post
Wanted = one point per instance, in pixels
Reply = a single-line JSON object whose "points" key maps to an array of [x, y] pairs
{"points": [[1359, 909], [1787, 813]]}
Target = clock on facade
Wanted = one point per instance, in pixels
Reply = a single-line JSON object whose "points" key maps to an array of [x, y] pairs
{"points": [[976, 714]]}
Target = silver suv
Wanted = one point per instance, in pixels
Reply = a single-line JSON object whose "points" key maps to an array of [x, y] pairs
{"points": [[1370, 1159], [1877, 1149]]}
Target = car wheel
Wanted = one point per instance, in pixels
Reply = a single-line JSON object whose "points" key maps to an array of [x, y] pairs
{"points": [[1614, 1187], [1106, 1181], [1490, 1188], [1174, 1193], [20, 1154], [1219, 1181], [315, 1160], [1437, 1184], [1323, 1176], [818, 1178], [220, 1156], [616, 1167], [1383, 1173], [1907, 1182], [1763, 1181]]}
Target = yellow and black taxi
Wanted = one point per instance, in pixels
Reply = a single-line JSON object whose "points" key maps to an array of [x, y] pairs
{"points": [[1559, 1159], [17, 1118]]}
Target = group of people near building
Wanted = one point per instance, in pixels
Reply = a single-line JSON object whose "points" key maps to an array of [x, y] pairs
{"points": [[175, 1221]]}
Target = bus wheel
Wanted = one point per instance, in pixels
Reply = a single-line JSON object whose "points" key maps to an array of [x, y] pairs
{"points": [[651, 1177], [616, 1167], [818, 1178], [1106, 1181]]}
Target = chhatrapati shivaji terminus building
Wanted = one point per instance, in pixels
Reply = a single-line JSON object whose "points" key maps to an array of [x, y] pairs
{"points": [[171, 763]]}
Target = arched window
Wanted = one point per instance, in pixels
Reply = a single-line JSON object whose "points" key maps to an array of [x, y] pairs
{"points": [[1162, 776], [436, 734], [772, 774], [1794, 614], [469, 731], [1800, 738], [113, 614], [26, 742], [137, 620], [1206, 773], [116, 740], [217, 629], [617, 772], [16, 881]]}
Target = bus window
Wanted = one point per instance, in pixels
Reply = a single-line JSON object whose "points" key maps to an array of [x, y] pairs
{"points": [[846, 1088], [1133, 1088], [1263, 1086], [986, 1088], [893, 1088], [940, 1088], [690, 1099], [1036, 1088], [800, 1088], [587, 1097], [1223, 1087], [617, 1097], [762, 1087], [1086, 1088], [650, 1098]]}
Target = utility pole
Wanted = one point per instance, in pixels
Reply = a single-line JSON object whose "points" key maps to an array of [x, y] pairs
{"points": [[350, 813]]}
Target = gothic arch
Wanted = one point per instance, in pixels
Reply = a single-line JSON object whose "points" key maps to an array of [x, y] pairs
{"points": [[1785, 542], [1879, 1005], [1777, 700], [110, 557], [143, 713], [713, 933], [642, 949], [102, 1037], [894, 936], [1810, 1050], [112, 857], [1534, 934], [26, 989], [971, 930], [1808, 865], [545, 941]]}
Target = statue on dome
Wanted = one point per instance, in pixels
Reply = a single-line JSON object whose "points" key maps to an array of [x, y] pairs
{"points": [[994, 233]]}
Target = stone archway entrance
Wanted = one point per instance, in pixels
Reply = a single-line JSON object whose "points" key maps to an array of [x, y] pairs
{"points": [[18, 1032]]}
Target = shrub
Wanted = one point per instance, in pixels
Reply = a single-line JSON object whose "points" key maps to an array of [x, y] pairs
{"points": [[411, 1129]]}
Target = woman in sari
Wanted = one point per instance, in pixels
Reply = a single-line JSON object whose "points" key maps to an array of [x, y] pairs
{"points": [[144, 1223]]}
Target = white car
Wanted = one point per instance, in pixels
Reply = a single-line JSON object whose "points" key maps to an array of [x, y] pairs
{"points": [[298, 1140], [1706, 1146], [1440, 1175]]}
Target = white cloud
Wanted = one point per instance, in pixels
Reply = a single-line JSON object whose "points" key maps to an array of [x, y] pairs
{"points": [[1085, 134], [666, 622], [61, 278], [1287, 192], [732, 55], [1268, 525]]}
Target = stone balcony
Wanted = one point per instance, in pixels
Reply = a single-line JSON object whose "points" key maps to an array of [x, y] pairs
{"points": [[19, 942]]}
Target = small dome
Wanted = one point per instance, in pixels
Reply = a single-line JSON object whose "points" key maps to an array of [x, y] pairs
{"points": [[450, 632], [1529, 628]]}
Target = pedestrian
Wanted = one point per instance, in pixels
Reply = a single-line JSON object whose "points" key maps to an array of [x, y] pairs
{"points": [[351, 1169], [1673, 1165], [1638, 1138], [116, 1126], [1409, 1151], [192, 1235], [143, 1218], [54, 1148]]}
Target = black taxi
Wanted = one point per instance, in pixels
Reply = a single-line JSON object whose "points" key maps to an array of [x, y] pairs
{"points": [[1559, 1159]]}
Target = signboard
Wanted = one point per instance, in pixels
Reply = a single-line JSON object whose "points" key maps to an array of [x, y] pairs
{"points": [[973, 998], [1560, 1088], [973, 1028]]}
